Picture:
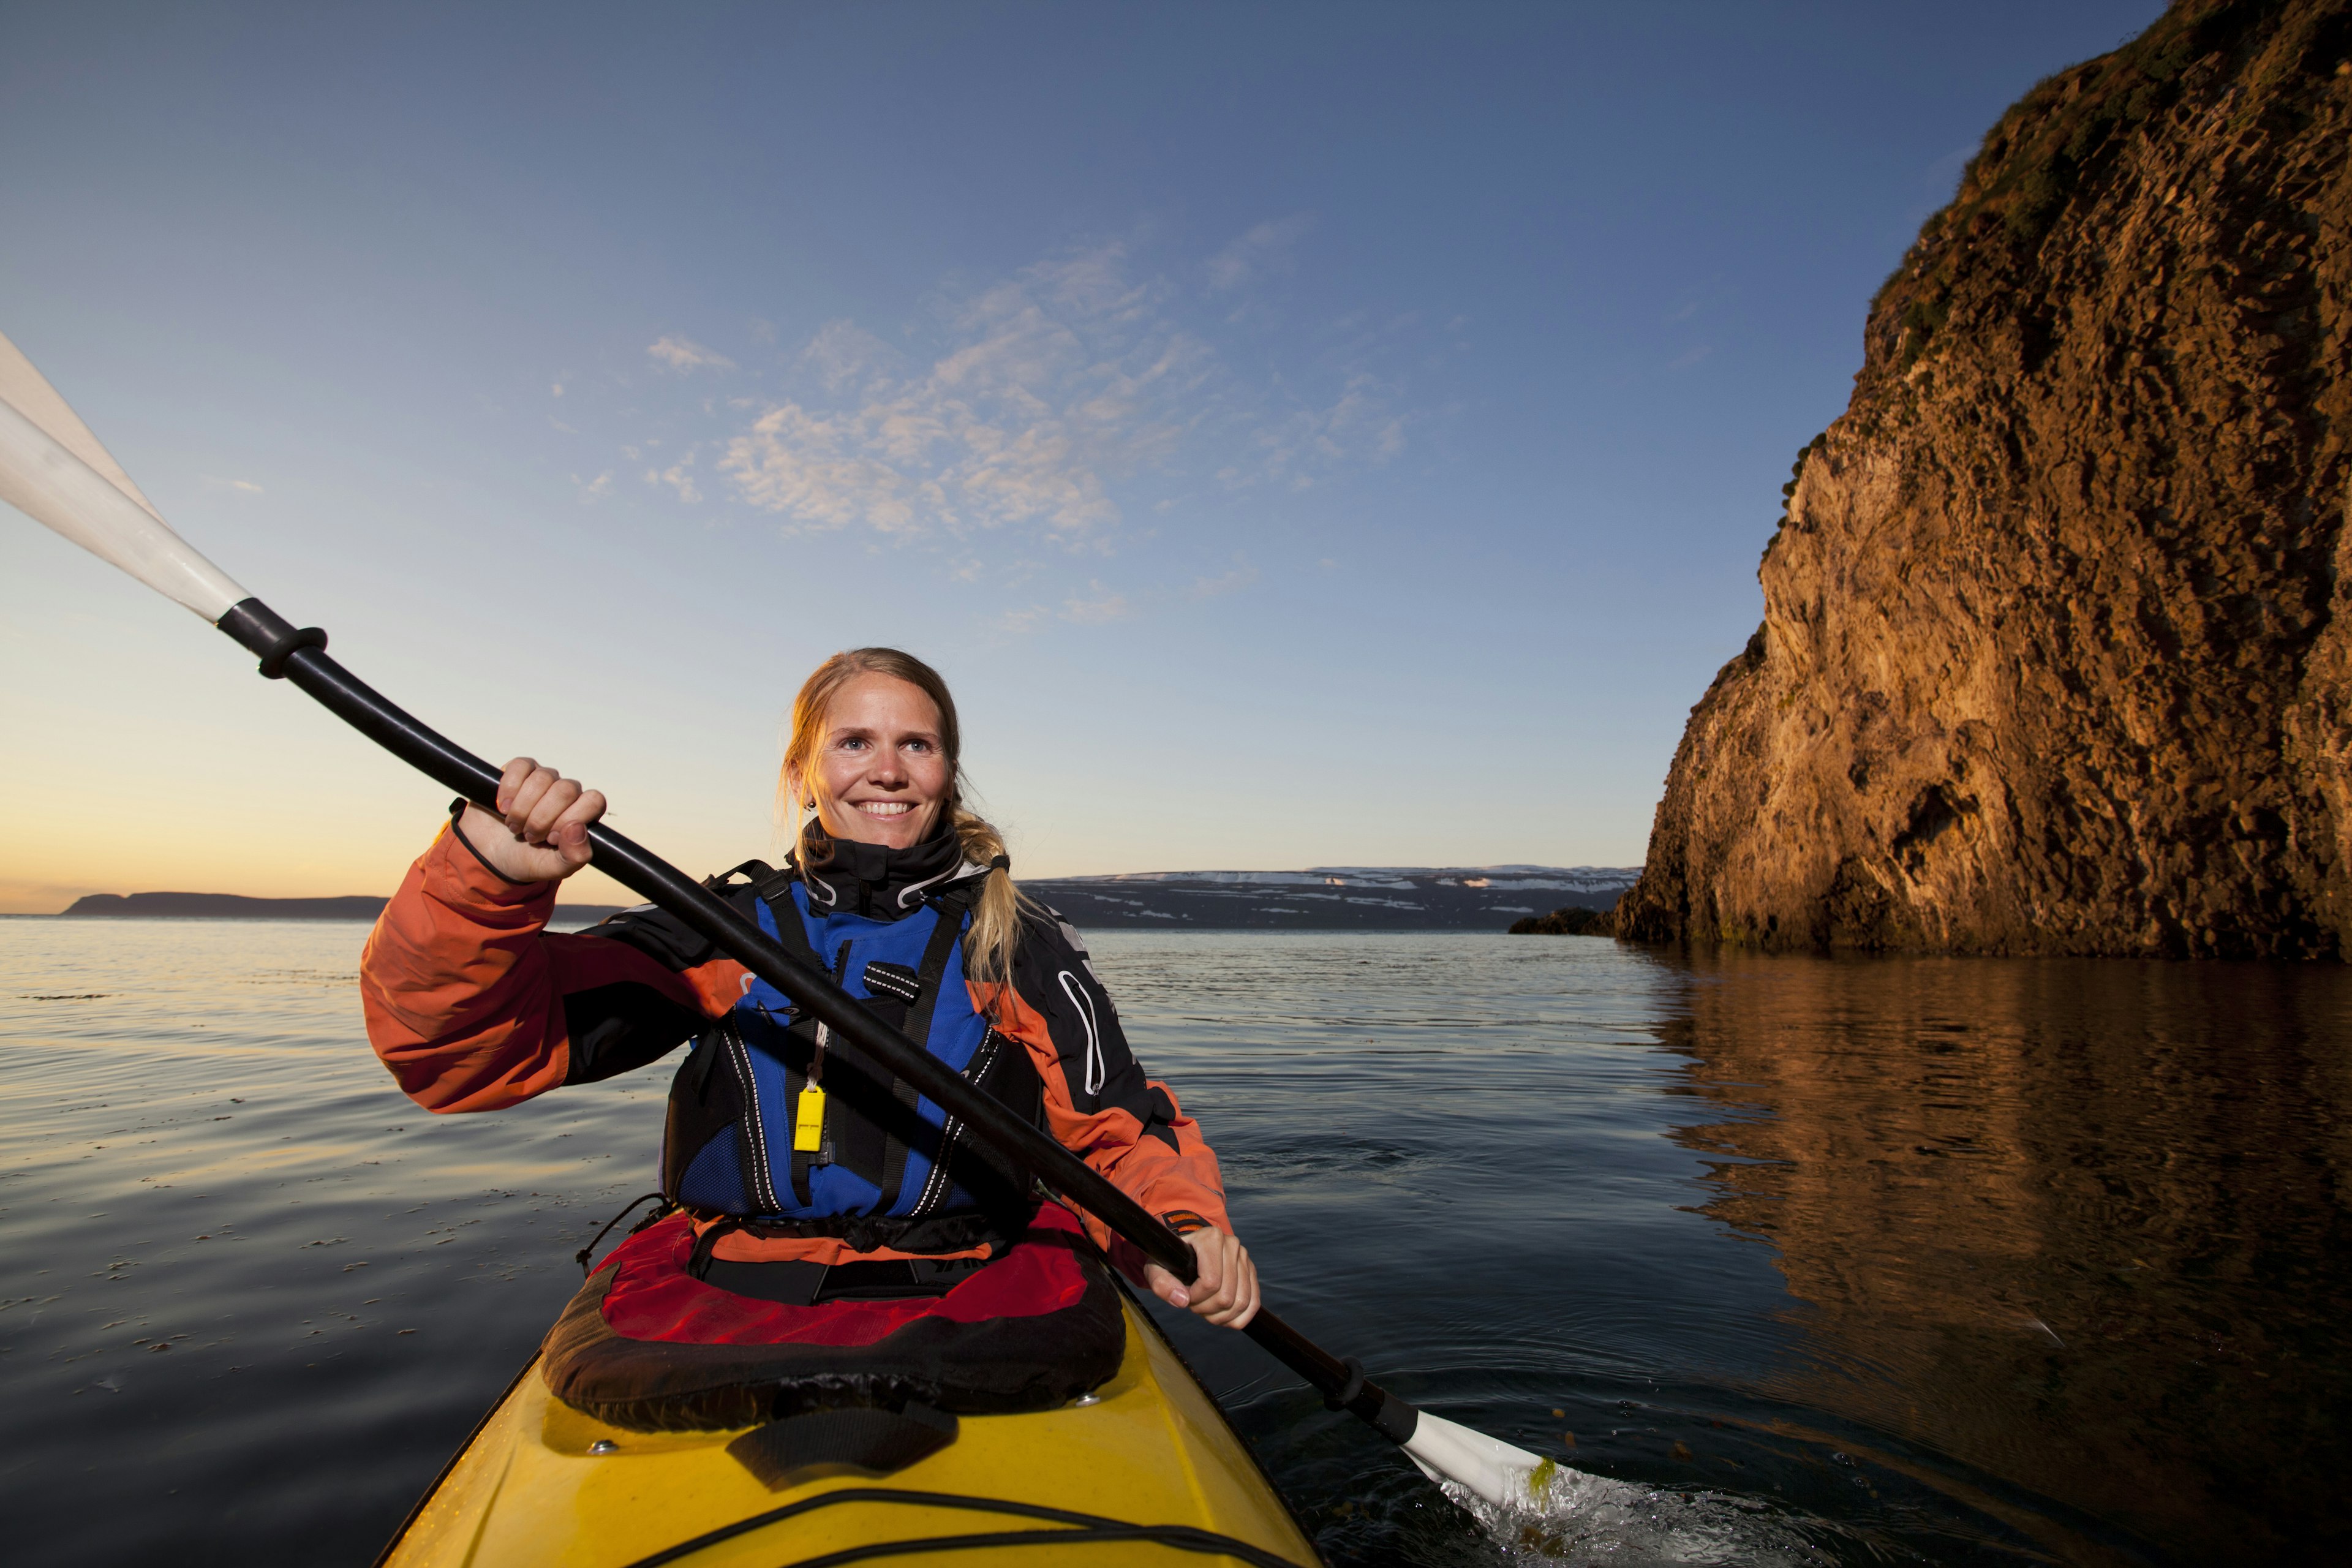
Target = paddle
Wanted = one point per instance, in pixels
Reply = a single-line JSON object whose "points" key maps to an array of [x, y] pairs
{"points": [[54, 470]]}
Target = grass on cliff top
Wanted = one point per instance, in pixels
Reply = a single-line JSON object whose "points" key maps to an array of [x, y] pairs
{"points": [[2073, 126]]}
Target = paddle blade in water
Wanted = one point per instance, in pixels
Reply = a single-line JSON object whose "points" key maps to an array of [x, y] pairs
{"points": [[54, 470], [1487, 1467]]}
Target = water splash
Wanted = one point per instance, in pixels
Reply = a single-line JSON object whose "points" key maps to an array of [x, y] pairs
{"points": [[1569, 1516]]}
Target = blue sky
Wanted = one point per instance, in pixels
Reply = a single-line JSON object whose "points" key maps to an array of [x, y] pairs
{"points": [[1302, 434]]}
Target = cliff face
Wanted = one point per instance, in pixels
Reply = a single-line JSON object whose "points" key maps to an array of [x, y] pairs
{"points": [[2057, 646]]}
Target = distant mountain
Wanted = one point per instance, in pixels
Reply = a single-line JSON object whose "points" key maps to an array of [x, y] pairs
{"points": [[1331, 898], [226, 906], [1323, 898], [235, 907]]}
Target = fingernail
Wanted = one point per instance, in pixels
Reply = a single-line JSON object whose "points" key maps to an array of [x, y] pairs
{"points": [[1182, 1300]]}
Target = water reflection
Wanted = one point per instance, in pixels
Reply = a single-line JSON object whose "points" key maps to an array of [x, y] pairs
{"points": [[2080, 1225], [1901, 1261]]}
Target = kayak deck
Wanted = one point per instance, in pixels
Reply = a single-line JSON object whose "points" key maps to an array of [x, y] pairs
{"points": [[542, 1483]]}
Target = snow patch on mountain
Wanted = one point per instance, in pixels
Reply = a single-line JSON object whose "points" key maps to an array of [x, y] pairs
{"points": [[1576, 879]]}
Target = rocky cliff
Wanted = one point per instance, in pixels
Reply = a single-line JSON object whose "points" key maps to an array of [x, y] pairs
{"points": [[2058, 623]]}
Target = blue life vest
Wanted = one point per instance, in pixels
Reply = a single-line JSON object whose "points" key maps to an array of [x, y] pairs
{"points": [[869, 1148]]}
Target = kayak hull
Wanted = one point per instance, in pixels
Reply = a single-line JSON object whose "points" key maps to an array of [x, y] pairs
{"points": [[545, 1485]]}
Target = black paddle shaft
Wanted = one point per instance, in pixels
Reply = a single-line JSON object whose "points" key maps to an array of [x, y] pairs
{"points": [[300, 657]]}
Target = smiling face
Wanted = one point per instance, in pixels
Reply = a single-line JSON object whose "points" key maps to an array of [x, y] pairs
{"points": [[880, 774]]}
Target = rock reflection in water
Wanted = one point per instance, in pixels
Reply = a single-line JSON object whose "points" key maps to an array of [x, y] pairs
{"points": [[2078, 1223]]}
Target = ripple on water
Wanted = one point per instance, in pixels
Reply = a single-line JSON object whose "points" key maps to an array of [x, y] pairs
{"points": [[1968, 1262], [1584, 1519]]}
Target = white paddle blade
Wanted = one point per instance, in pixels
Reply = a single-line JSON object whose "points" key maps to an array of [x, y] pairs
{"points": [[44, 476], [1487, 1467], [42, 403]]}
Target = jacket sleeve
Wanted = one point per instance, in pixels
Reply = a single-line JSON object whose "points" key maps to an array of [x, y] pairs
{"points": [[1098, 1102], [473, 1006]]}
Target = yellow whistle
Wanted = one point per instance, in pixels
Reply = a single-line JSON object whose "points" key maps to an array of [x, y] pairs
{"points": [[808, 1121]]}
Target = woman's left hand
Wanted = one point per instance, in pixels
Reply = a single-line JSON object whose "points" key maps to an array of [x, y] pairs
{"points": [[1225, 1290]]}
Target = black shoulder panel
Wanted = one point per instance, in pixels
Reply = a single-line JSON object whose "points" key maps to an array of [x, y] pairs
{"points": [[668, 940], [1054, 975], [618, 1028]]}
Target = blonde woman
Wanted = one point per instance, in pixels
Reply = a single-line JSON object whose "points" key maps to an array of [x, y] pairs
{"points": [[803, 1180]]}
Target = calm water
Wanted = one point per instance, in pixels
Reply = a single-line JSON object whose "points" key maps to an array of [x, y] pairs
{"points": [[1943, 1261]]}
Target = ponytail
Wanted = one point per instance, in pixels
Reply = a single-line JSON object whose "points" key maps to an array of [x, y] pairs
{"points": [[996, 914]]}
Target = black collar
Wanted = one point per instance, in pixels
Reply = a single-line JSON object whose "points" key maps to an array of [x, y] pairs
{"points": [[845, 876]]}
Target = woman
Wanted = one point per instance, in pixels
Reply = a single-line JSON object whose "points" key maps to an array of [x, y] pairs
{"points": [[804, 1177]]}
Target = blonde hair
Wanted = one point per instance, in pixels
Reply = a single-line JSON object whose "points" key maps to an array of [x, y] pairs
{"points": [[996, 914]]}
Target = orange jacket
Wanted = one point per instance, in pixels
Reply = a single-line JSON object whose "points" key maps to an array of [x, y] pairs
{"points": [[473, 1006]]}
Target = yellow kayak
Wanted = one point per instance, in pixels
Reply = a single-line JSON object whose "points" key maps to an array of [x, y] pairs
{"points": [[542, 1483]]}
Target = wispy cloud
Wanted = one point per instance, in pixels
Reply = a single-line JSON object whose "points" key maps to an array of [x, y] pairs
{"points": [[1102, 608], [242, 486], [1263, 250], [1049, 387], [843, 353], [1021, 421], [813, 468], [684, 355], [679, 477], [1045, 393], [1707, 299], [1233, 582], [1359, 425]]}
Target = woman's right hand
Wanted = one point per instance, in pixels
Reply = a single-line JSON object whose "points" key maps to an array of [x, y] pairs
{"points": [[540, 831]]}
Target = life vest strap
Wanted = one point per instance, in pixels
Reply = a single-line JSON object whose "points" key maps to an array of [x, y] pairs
{"points": [[774, 890], [946, 926], [697, 1262]]}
